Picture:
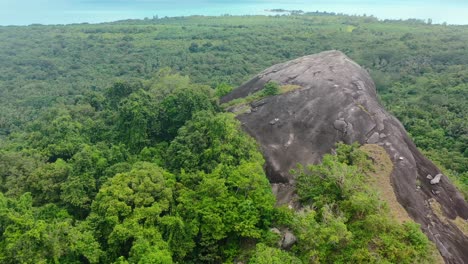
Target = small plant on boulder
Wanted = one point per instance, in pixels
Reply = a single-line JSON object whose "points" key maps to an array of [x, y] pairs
{"points": [[271, 88]]}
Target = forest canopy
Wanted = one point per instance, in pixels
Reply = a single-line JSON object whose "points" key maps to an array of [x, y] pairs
{"points": [[114, 148]]}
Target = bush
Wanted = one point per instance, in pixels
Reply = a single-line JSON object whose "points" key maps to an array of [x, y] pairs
{"points": [[346, 222], [271, 88]]}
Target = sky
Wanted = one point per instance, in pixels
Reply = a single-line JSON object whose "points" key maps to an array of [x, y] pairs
{"points": [[25, 12]]}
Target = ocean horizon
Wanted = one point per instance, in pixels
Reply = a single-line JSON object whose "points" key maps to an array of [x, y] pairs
{"points": [[97, 11]]}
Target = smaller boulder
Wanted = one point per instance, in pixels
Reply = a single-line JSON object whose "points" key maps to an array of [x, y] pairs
{"points": [[275, 230], [274, 121], [289, 239], [258, 103], [374, 138], [340, 125], [436, 179]]}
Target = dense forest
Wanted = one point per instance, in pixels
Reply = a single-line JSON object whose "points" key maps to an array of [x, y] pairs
{"points": [[114, 148]]}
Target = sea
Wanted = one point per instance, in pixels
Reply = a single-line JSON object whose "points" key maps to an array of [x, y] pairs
{"points": [[25, 12]]}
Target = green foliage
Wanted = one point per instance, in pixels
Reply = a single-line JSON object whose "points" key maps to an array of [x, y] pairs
{"points": [[420, 82], [226, 195], [147, 117], [179, 105], [15, 168], [127, 211], [267, 255], [120, 209], [45, 183], [223, 89], [85, 159], [208, 140], [42, 234], [335, 179], [320, 240], [244, 100], [271, 88], [99, 170], [351, 155], [413, 73], [434, 114], [56, 134], [117, 92], [136, 114], [346, 222], [229, 202]]}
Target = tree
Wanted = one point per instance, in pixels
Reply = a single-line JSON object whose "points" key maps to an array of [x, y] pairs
{"points": [[136, 114], [225, 196], [194, 47], [46, 182], [177, 101], [56, 135], [224, 207], [208, 140], [119, 91], [128, 210]]}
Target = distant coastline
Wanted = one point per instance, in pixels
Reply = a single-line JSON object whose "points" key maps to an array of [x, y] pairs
{"points": [[280, 10], [55, 12]]}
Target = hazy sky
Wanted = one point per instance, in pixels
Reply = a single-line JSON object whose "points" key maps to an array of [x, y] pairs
{"points": [[20, 12]]}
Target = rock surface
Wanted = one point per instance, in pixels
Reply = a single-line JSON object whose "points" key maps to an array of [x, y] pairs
{"points": [[436, 179], [288, 240], [337, 101]]}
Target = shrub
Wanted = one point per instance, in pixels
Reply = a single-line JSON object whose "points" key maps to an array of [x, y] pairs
{"points": [[271, 88]]}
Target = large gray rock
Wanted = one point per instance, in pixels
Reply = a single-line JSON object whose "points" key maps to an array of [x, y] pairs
{"points": [[337, 101]]}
